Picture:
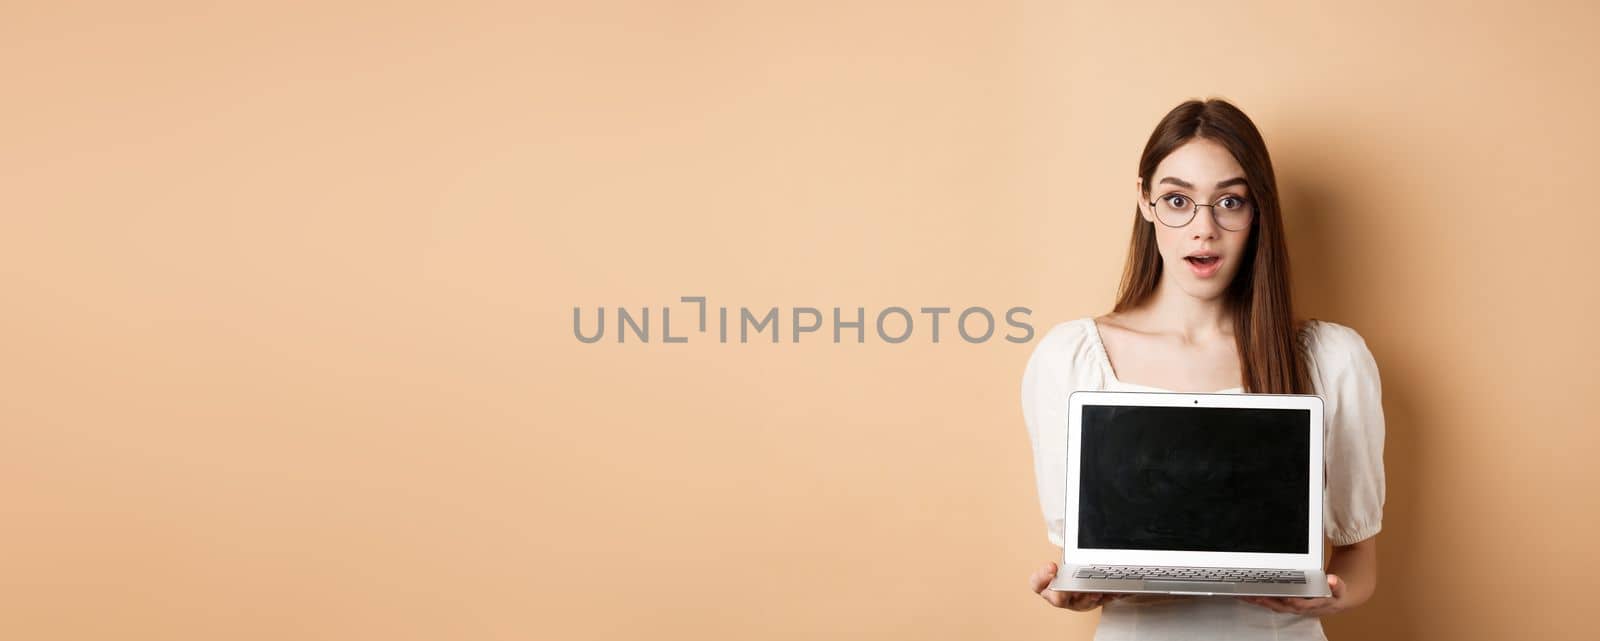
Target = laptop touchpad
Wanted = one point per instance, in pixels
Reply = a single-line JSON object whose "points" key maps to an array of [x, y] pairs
{"points": [[1189, 586]]}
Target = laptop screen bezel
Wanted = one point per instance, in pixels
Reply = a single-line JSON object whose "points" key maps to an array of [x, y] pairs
{"points": [[1312, 558]]}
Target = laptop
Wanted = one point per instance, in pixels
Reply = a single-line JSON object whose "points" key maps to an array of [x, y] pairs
{"points": [[1198, 494]]}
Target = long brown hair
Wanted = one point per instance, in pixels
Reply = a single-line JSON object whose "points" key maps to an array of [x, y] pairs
{"points": [[1268, 336]]}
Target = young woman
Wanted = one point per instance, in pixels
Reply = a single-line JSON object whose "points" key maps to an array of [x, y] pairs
{"points": [[1204, 306]]}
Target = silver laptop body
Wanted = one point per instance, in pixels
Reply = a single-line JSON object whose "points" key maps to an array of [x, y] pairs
{"points": [[1199, 494]]}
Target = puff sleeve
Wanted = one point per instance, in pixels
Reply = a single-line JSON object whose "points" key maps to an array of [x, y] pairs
{"points": [[1346, 376], [1046, 383]]}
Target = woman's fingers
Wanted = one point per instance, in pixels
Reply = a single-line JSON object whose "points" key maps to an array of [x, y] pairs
{"points": [[1091, 600], [1041, 578], [1292, 605], [1082, 601], [1270, 603], [1061, 599], [1070, 600]]}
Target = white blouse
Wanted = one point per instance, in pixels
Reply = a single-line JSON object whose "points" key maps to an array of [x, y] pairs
{"points": [[1071, 357]]}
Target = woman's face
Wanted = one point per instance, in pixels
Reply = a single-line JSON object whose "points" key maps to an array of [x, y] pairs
{"points": [[1199, 171]]}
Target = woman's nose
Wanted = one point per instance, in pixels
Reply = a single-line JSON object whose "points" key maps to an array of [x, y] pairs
{"points": [[1204, 223]]}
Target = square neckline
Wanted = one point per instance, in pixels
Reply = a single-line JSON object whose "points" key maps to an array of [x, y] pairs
{"points": [[1111, 372]]}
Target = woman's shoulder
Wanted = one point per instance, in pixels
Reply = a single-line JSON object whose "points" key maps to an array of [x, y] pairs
{"points": [[1063, 360], [1327, 336], [1068, 344], [1333, 347], [1068, 336]]}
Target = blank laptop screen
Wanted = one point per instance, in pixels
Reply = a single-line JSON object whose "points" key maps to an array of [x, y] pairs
{"points": [[1198, 479]]}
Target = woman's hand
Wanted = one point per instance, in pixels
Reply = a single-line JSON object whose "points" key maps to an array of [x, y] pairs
{"points": [[1311, 607], [1080, 601]]}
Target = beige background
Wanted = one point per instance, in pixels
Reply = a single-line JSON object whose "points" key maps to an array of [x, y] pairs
{"points": [[286, 348]]}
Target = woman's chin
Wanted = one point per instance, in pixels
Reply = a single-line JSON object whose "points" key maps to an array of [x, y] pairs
{"points": [[1204, 289]]}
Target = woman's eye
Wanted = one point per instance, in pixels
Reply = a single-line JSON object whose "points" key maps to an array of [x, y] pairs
{"points": [[1177, 201], [1231, 203]]}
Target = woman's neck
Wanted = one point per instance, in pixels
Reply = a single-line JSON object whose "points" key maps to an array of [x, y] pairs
{"points": [[1172, 311]]}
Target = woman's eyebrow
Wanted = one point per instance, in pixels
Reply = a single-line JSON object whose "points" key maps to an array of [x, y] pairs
{"points": [[1187, 185]]}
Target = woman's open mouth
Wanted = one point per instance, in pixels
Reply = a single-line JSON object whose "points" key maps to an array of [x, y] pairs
{"points": [[1203, 266]]}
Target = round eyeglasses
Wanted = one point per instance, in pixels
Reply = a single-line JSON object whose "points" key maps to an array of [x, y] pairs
{"points": [[1232, 213]]}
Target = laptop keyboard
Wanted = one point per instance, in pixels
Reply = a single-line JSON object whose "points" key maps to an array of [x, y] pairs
{"points": [[1224, 575]]}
